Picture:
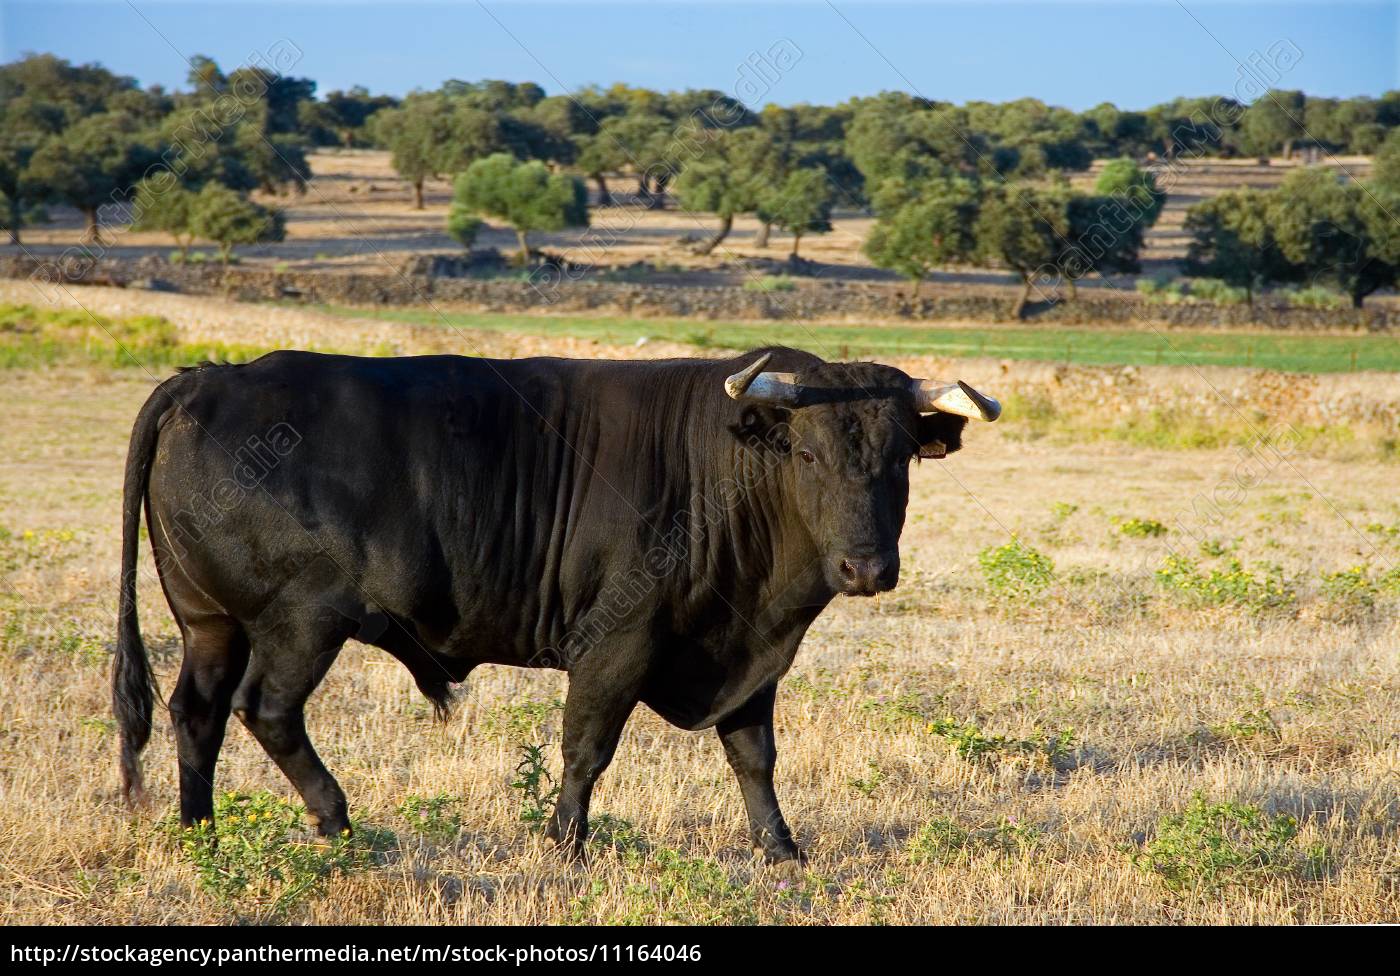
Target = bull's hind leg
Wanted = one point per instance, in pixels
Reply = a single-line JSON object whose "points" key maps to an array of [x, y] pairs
{"points": [[216, 653], [285, 665]]}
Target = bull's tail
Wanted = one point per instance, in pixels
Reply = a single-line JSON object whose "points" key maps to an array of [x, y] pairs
{"points": [[133, 695]]}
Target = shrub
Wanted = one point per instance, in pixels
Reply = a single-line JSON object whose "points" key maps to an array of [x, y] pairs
{"points": [[770, 283], [463, 226], [1316, 296], [1219, 292], [228, 219], [1161, 291]]}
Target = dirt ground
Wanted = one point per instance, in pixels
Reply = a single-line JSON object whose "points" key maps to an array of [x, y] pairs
{"points": [[904, 729]]}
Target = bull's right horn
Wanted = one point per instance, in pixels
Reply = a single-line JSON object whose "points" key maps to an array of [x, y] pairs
{"points": [[752, 385], [957, 398]]}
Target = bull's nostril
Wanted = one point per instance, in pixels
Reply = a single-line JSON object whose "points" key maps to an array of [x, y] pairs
{"points": [[847, 570]]}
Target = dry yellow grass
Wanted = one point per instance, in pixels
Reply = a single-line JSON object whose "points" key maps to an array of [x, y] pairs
{"points": [[1295, 710]]}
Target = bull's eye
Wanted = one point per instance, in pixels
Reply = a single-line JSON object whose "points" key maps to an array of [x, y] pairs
{"points": [[807, 456]]}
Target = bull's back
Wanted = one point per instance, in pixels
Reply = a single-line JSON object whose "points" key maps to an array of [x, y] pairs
{"points": [[277, 469], [469, 499]]}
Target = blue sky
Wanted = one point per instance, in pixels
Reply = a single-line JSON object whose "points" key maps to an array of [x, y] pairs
{"points": [[1134, 53]]}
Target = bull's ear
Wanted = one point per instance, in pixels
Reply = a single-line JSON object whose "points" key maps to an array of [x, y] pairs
{"points": [[939, 434], [765, 427]]}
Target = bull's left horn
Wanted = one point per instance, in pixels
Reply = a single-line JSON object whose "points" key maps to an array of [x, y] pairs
{"points": [[752, 385], [958, 398]]}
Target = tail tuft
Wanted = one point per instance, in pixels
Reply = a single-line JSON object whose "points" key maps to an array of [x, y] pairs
{"points": [[133, 701], [440, 693]]}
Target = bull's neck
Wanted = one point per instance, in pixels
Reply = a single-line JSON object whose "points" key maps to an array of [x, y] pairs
{"points": [[744, 520]]}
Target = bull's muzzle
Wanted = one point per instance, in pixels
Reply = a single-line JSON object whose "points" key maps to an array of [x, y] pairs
{"points": [[868, 575]]}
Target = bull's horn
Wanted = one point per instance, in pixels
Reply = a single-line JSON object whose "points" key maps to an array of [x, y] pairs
{"points": [[753, 385], [958, 398]]}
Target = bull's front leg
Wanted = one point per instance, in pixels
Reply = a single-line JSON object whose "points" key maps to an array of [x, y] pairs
{"points": [[603, 690], [749, 744]]}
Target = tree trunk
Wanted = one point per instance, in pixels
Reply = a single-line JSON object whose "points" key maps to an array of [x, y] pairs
{"points": [[1357, 297], [225, 252], [1020, 308], [1073, 288], [657, 200], [604, 197], [918, 283], [418, 194], [764, 229], [796, 240], [16, 218], [92, 235], [1288, 149], [521, 237], [724, 225]]}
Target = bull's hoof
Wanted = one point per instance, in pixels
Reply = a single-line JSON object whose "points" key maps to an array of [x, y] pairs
{"points": [[785, 865], [330, 828], [568, 843]]}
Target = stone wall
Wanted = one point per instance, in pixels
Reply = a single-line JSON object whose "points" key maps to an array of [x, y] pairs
{"points": [[556, 292]]}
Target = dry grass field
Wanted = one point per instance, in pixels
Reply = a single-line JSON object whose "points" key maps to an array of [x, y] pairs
{"points": [[1175, 699]]}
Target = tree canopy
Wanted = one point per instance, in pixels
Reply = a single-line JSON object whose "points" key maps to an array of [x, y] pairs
{"points": [[228, 219], [525, 195]]}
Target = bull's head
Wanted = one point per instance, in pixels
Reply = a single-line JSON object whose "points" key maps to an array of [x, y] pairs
{"points": [[853, 430]]}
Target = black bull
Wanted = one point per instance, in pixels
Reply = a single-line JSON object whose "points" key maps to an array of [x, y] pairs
{"points": [[627, 522]]}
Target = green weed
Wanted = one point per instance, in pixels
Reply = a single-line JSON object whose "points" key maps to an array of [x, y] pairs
{"points": [[435, 818], [536, 787], [1234, 585], [944, 841], [252, 855], [523, 721], [690, 890], [867, 785], [1136, 528], [1016, 570], [1210, 845]]}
